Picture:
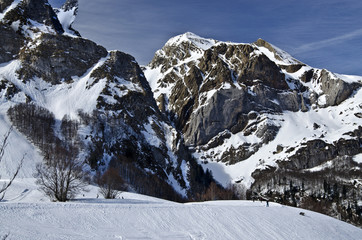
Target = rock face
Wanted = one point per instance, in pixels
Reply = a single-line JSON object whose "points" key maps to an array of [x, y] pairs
{"points": [[57, 58], [4, 4], [335, 89], [70, 4], [9, 49], [36, 10]]}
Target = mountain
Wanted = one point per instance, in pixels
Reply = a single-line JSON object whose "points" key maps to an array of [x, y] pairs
{"points": [[265, 121], [204, 120], [56, 87]]}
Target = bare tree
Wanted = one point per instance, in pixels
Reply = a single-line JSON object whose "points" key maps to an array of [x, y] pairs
{"points": [[111, 183], [3, 145], [61, 176]]}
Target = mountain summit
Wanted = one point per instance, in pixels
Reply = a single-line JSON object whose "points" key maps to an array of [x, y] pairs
{"points": [[258, 117]]}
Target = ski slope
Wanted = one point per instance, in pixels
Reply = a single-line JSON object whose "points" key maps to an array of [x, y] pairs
{"points": [[27, 215]]}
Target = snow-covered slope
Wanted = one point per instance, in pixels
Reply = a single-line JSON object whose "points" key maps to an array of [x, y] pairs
{"points": [[137, 217]]}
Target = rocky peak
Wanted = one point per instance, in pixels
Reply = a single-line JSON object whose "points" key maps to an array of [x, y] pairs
{"points": [[56, 58], [279, 54], [189, 37], [67, 14], [70, 4], [4, 4], [34, 10], [180, 48]]}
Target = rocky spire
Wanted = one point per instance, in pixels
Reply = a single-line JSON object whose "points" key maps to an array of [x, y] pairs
{"points": [[70, 4], [70, 8], [36, 10], [4, 4]]}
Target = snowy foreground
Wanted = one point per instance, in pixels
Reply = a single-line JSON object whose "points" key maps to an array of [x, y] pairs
{"points": [[26, 214]]}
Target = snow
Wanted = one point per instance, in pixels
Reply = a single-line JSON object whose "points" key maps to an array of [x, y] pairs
{"points": [[140, 217], [17, 148], [286, 59], [12, 6], [66, 18], [62, 99], [358, 158], [198, 41], [349, 78], [320, 167], [150, 135]]}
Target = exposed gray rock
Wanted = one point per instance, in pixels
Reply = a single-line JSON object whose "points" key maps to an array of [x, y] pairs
{"points": [[123, 67], [316, 152], [244, 151], [9, 89], [4, 4], [265, 71], [57, 58], [336, 90], [70, 4], [10, 43], [36, 10]]}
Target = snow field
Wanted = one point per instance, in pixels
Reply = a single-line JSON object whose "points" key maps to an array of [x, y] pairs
{"points": [[141, 219], [27, 214]]}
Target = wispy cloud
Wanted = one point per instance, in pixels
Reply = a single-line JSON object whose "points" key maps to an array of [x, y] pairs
{"points": [[327, 42]]}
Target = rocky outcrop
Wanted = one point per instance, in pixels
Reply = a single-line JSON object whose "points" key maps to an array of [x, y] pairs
{"points": [[265, 71], [10, 43], [36, 10], [70, 4], [57, 58], [335, 89], [4, 4]]}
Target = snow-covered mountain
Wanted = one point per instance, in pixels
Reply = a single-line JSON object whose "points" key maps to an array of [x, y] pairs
{"points": [[260, 120], [53, 73]]}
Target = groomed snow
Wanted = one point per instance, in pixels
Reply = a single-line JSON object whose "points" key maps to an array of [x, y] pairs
{"points": [[139, 217]]}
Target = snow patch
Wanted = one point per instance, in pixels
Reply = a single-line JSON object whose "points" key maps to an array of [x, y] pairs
{"points": [[358, 158], [150, 135]]}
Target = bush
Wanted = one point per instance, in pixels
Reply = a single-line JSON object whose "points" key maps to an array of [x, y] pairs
{"points": [[111, 184], [61, 176]]}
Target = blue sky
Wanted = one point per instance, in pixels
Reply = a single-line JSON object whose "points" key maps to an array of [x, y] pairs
{"points": [[321, 33]]}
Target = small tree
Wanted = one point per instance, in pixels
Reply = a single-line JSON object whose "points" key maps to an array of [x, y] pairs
{"points": [[111, 183], [3, 145], [61, 176]]}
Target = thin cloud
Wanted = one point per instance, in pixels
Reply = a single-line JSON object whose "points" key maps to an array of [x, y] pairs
{"points": [[327, 42]]}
